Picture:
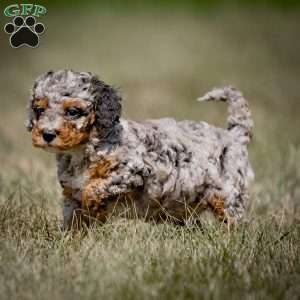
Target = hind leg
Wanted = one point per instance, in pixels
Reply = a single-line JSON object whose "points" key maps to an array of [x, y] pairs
{"points": [[219, 208], [235, 175]]}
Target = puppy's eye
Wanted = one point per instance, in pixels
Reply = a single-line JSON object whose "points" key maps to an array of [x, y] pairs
{"points": [[38, 111], [74, 112]]}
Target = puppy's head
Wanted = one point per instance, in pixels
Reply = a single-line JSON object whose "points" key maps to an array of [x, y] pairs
{"points": [[66, 105]]}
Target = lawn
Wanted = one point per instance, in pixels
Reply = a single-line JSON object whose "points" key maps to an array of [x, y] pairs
{"points": [[162, 62]]}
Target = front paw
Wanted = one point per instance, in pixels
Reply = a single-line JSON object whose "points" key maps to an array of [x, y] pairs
{"points": [[71, 214], [64, 227], [92, 194]]}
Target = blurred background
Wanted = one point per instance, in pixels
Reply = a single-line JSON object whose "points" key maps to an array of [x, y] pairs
{"points": [[163, 55]]}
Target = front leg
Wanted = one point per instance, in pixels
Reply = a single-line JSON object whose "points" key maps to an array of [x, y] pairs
{"points": [[100, 196], [71, 214], [71, 210], [94, 200]]}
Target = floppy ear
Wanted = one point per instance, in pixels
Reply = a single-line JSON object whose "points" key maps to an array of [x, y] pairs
{"points": [[107, 106]]}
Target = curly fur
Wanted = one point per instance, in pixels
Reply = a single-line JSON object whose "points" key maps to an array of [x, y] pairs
{"points": [[157, 169]]}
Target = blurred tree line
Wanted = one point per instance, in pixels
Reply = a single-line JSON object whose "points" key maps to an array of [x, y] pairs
{"points": [[168, 4]]}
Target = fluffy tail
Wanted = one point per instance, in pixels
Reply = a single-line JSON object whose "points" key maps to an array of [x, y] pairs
{"points": [[239, 120]]}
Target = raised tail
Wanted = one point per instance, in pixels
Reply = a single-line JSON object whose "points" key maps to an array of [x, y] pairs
{"points": [[239, 120]]}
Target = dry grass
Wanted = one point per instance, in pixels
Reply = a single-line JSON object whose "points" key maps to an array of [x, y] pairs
{"points": [[163, 63]]}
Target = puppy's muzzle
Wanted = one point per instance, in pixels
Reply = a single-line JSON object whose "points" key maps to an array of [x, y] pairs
{"points": [[49, 136]]}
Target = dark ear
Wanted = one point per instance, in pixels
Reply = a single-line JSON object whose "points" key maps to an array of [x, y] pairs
{"points": [[107, 106]]}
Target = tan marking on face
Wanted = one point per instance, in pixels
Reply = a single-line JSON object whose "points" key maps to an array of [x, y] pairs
{"points": [[69, 136], [73, 102], [78, 103], [36, 132], [37, 139], [43, 103]]}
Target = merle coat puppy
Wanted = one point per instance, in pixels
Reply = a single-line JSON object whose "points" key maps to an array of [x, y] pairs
{"points": [[157, 169]]}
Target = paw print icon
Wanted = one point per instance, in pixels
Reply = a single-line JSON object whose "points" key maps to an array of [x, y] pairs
{"points": [[24, 32]]}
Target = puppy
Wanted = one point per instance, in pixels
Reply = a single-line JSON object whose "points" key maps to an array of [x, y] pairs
{"points": [[156, 170]]}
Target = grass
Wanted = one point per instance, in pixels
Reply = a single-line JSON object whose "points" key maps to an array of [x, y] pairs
{"points": [[163, 63]]}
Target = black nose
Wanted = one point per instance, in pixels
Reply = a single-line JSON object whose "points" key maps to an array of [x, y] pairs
{"points": [[49, 136]]}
